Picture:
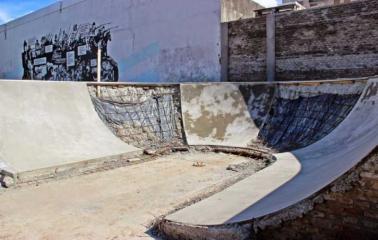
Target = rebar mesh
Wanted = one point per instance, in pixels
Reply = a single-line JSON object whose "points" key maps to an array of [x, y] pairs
{"points": [[146, 117], [296, 122]]}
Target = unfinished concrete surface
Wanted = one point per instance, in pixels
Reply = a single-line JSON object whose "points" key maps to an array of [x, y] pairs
{"points": [[117, 204], [335, 122], [216, 114], [294, 177]]}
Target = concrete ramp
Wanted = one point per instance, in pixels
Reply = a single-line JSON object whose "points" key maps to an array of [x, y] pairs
{"points": [[283, 116], [294, 177], [49, 125], [218, 114]]}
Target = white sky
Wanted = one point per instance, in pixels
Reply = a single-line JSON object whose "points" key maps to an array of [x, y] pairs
{"points": [[267, 3], [4, 16]]}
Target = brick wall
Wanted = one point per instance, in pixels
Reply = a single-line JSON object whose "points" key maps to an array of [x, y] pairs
{"points": [[320, 43], [247, 50]]}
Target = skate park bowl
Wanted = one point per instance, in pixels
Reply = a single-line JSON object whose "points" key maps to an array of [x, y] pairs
{"points": [[312, 133]]}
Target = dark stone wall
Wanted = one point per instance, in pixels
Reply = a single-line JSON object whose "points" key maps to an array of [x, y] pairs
{"points": [[319, 43]]}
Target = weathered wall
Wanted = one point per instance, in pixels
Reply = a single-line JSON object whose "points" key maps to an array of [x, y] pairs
{"points": [[319, 43], [150, 41], [347, 209], [238, 9], [247, 50]]}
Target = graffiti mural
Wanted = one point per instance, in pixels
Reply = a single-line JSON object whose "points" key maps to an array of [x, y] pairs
{"points": [[70, 55]]}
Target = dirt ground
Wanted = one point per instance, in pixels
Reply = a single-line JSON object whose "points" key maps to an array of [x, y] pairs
{"points": [[116, 204]]}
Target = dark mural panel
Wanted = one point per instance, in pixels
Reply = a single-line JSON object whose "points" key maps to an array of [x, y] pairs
{"points": [[70, 55]]}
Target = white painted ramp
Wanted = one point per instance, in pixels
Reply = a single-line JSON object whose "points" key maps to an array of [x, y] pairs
{"points": [[294, 176], [50, 124]]}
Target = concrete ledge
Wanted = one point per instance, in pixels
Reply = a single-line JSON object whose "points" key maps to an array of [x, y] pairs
{"points": [[71, 169]]}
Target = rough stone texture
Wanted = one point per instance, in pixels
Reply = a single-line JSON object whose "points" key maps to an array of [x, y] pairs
{"points": [[347, 209], [318, 43], [144, 116], [175, 231]]}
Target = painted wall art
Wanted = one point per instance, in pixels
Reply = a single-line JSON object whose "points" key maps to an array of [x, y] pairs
{"points": [[70, 54], [140, 41]]}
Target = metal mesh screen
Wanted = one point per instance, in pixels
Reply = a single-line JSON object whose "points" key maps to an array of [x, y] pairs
{"points": [[299, 122], [146, 117]]}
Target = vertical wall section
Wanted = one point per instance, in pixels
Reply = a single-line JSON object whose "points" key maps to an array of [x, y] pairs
{"points": [[144, 41], [318, 43]]}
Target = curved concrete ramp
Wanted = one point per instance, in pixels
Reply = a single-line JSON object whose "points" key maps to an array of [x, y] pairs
{"points": [[302, 114], [46, 125], [218, 114], [295, 175], [283, 116]]}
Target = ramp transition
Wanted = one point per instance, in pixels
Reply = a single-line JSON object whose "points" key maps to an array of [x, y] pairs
{"points": [[47, 127], [295, 176]]}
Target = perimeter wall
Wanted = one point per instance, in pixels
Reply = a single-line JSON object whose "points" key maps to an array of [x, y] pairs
{"points": [[319, 43], [145, 41]]}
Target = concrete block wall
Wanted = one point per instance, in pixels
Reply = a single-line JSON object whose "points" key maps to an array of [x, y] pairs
{"points": [[313, 44]]}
